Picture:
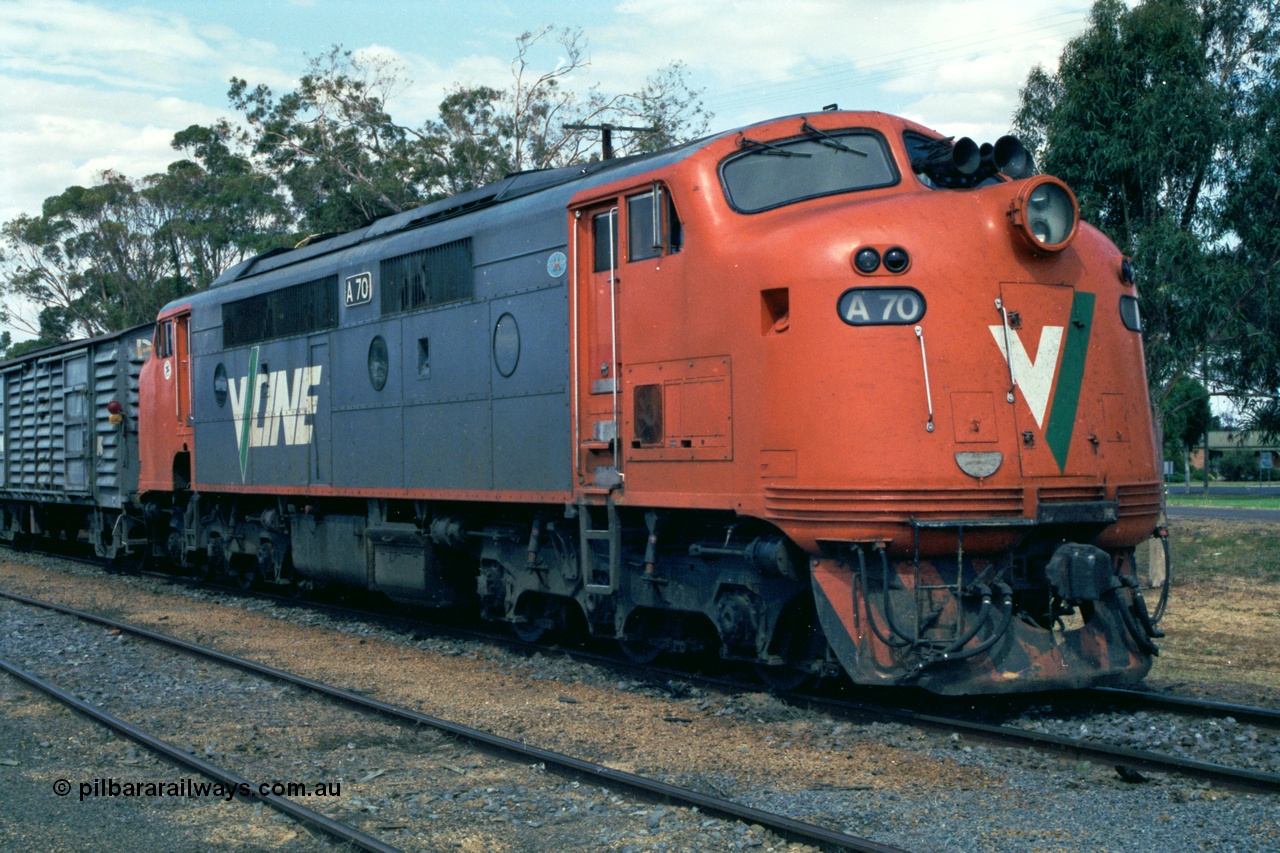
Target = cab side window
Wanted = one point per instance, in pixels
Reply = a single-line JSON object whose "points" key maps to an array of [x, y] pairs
{"points": [[164, 347], [653, 227], [604, 229]]}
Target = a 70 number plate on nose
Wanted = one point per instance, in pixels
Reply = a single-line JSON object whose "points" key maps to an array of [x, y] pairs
{"points": [[880, 306]]}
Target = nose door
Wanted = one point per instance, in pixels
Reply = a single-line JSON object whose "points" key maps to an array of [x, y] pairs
{"points": [[1043, 333]]}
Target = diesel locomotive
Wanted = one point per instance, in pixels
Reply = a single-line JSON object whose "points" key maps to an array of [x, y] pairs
{"points": [[829, 392]]}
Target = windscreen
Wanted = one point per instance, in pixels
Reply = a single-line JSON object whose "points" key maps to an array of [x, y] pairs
{"points": [[771, 174]]}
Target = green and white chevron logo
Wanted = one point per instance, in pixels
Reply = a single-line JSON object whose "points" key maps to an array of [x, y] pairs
{"points": [[274, 409], [1036, 377]]}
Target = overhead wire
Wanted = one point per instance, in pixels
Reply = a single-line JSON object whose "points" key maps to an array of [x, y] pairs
{"points": [[887, 65]]}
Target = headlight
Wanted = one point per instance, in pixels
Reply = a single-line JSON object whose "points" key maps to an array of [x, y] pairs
{"points": [[1046, 214]]}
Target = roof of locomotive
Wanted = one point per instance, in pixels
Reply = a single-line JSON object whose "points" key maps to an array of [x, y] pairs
{"points": [[510, 188]]}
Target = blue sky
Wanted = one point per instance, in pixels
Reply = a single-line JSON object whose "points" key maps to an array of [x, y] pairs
{"points": [[103, 84]]}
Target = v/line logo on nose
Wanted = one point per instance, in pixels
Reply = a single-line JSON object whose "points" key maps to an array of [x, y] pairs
{"points": [[1049, 376], [277, 406]]}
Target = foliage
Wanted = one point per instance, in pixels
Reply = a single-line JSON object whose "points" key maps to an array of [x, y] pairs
{"points": [[538, 122], [1163, 119], [1238, 465], [86, 262], [333, 144], [1186, 415], [1191, 474], [216, 208], [109, 256]]}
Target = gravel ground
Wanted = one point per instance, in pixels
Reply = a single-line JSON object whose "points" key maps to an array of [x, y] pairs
{"points": [[418, 790], [901, 786], [1224, 741]]}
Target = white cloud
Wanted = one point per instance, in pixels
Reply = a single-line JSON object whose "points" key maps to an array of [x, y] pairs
{"points": [[91, 85], [89, 88], [758, 57], [69, 40]]}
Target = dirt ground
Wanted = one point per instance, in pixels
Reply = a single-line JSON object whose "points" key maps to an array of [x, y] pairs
{"points": [[636, 733], [1223, 615]]}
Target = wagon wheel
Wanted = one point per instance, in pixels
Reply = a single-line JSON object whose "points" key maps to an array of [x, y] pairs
{"points": [[129, 564], [22, 542], [639, 650]]}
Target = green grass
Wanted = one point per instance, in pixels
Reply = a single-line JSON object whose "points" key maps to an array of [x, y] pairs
{"points": [[1205, 548], [1240, 501]]}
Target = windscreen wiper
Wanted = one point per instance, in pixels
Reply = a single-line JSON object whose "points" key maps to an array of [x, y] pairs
{"points": [[770, 148], [828, 139]]}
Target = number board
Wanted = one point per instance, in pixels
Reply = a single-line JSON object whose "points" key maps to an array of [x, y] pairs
{"points": [[880, 306], [359, 289]]}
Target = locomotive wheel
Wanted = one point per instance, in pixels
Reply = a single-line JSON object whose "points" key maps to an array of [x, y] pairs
{"points": [[202, 571], [639, 639], [528, 632], [244, 571], [543, 619], [298, 589], [782, 678], [796, 640], [213, 564]]}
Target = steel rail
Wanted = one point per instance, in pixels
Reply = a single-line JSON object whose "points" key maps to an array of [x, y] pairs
{"points": [[181, 757], [1159, 761], [780, 824], [1147, 699]]}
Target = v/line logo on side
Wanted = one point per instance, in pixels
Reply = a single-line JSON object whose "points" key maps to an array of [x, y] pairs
{"points": [[277, 407]]}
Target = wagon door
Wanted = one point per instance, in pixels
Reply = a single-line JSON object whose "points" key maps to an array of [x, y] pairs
{"points": [[75, 424]]}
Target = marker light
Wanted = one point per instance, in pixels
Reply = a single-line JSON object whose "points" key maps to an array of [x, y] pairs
{"points": [[114, 408], [867, 260], [1045, 212], [896, 259]]}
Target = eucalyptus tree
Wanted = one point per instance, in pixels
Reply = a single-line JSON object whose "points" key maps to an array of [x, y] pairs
{"points": [[1163, 119], [343, 159], [108, 256]]}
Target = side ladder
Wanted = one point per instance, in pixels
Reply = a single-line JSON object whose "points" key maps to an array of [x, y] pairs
{"points": [[601, 567]]}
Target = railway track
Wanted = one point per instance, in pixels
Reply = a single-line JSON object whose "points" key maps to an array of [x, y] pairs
{"points": [[1147, 699], [1124, 758], [781, 825], [336, 829]]}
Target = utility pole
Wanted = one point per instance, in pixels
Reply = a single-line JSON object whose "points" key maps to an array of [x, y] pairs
{"points": [[1207, 424], [606, 134]]}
